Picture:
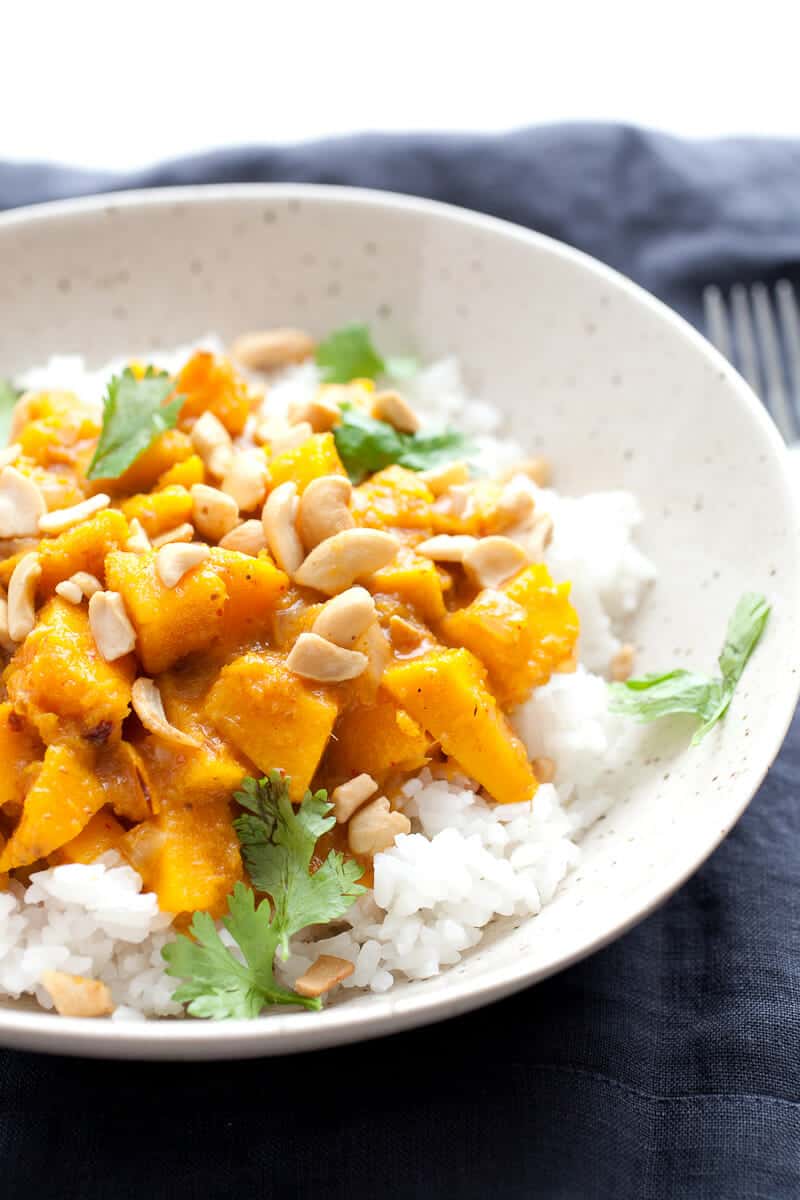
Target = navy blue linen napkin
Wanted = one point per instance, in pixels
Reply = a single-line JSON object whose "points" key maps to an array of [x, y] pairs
{"points": [[667, 1065]]}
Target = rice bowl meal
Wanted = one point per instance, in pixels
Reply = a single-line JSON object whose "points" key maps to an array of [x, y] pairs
{"points": [[311, 676]]}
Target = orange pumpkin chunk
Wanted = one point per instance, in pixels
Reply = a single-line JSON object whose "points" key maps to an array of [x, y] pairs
{"points": [[211, 384], [315, 457], [82, 548]]}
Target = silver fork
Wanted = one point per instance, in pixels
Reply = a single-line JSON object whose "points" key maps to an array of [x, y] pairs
{"points": [[759, 332]]}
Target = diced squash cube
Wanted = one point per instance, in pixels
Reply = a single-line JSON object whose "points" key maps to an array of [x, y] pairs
{"points": [[58, 680], [273, 717], [169, 622], [315, 457], [446, 692], [20, 746], [293, 616], [255, 587], [125, 780], [159, 512], [64, 796], [470, 508], [394, 499], [379, 739], [211, 384], [103, 833], [82, 548], [57, 429], [183, 474], [188, 855], [170, 447], [414, 580], [521, 632]]}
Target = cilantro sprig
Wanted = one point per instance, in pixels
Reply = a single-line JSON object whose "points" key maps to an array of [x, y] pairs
{"points": [[348, 353], [366, 445], [680, 691], [134, 415], [277, 843]]}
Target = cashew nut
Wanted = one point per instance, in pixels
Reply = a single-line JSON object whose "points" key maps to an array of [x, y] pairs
{"points": [[149, 707], [247, 538], [69, 591], [22, 596], [181, 533], [214, 513], [6, 641], [175, 559], [351, 795], [391, 407], [315, 658], [75, 996], [440, 479], [374, 828], [323, 975], [446, 547], [278, 519], [138, 542], [346, 617], [338, 561], [21, 504], [321, 414], [113, 633], [493, 560], [537, 469], [209, 436], [324, 509], [246, 480], [64, 518], [269, 349], [281, 440], [89, 584]]}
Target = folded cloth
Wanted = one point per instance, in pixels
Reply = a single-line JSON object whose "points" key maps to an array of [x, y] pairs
{"points": [[665, 1066]]}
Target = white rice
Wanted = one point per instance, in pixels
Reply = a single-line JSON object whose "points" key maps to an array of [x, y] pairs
{"points": [[465, 862]]}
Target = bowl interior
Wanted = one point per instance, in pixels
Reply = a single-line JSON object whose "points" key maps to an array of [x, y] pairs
{"points": [[614, 388]]}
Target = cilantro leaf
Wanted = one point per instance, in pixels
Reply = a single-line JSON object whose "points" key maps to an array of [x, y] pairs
{"points": [[366, 445], [134, 414], [9, 395], [681, 691], [277, 842], [348, 353]]}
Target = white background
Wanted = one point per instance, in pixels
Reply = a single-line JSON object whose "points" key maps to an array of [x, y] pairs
{"points": [[121, 84]]}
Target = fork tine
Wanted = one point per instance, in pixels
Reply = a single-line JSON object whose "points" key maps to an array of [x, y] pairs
{"points": [[744, 336], [789, 316], [775, 396], [717, 327]]}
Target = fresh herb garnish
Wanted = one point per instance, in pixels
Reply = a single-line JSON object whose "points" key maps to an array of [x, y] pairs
{"points": [[680, 691], [348, 353], [9, 395], [277, 843], [134, 415], [366, 445]]}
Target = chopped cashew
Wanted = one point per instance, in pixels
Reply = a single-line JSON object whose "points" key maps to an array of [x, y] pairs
{"points": [[404, 635], [622, 663], [181, 533], [149, 707], [515, 508], [321, 414], [22, 596], [246, 479], [536, 536], [113, 633], [64, 518], [214, 513], [323, 975], [392, 408], [544, 769], [21, 504], [75, 996], [338, 561], [493, 560], [89, 584], [278, 518], [175, 559], [447, 547], [314, 657], [269, 349], [324, 509], [138, 542], [441, 479], [374, 828], [346, 617], [209, 436], [69, 591], [289, 439], [351, 795], [6, 641], [537, 469], [247, 538]]}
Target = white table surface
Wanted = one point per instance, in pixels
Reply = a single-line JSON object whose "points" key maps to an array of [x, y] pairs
{"points": [[118, 85]]}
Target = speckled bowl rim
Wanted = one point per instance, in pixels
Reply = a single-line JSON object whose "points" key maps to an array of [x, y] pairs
{"points": [[293, 1033]]}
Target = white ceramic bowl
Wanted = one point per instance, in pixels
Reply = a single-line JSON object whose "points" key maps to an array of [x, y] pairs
{"points": [[617, 390]]}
